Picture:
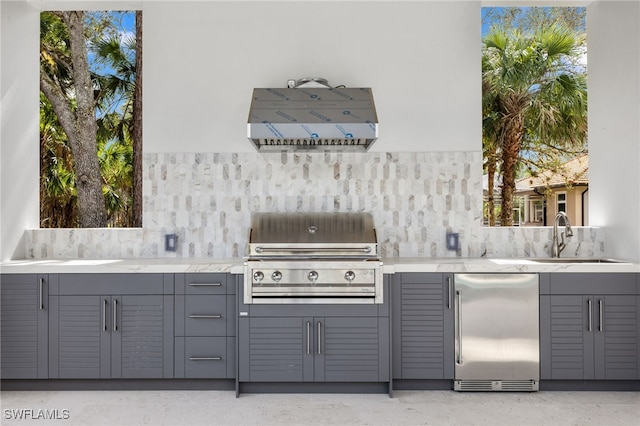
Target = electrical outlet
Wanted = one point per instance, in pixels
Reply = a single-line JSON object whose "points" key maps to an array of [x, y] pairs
{"points": [[453, 241], [170, 242]]}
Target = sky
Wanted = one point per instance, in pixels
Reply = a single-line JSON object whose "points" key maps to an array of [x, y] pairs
{"points": [[487, 25]]}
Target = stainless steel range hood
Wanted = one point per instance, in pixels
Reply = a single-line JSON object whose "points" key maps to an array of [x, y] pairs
{"points": [[312, 118]]}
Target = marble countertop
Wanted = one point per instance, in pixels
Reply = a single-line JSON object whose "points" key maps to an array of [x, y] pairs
{"points": [[235, 266], [454, 265]]}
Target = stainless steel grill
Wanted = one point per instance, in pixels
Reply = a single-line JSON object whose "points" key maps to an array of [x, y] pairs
{"points": [[313, 258]]}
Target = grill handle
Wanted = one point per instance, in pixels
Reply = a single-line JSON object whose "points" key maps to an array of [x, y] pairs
{"points": [[261, 249]]}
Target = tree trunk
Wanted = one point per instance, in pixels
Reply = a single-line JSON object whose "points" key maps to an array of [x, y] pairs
{"points": [[491, 173], [137, 129], [511, 143], [80, 127]]}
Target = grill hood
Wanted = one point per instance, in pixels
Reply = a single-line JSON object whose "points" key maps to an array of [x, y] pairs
{"points": [[312, 235], [312, 118]]}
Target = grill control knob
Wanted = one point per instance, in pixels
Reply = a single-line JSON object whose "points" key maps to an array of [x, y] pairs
{"points": [[258, 276], [313, 276], [350, 276], [276, 276]]}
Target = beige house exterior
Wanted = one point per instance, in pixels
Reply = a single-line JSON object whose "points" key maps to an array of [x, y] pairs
{"points": [[548, 193]]}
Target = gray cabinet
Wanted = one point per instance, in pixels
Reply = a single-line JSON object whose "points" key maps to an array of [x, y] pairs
{"points": [[590, 326], [314, 343], [350, 348], [24, 319], [205, 326], [423, 319], [320, 349], [274, 348], [111, 326]]}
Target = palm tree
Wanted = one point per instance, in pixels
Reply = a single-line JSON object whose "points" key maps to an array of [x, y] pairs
{"points": [[123, 88], [537, 95], [57, 179], [490, 144]]}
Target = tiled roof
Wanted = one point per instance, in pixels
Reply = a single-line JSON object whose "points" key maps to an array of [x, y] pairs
{"points": [[573, 172]]}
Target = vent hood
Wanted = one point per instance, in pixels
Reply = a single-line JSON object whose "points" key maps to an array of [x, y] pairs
{"points": [[312, 116]]}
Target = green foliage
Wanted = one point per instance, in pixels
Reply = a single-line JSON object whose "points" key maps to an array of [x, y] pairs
{"points": [[114, 56], [57, 179], [534, 94]]}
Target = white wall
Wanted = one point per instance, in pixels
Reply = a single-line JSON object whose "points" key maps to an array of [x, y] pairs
{"points": [[614, 124], [19, 149], [203, 59], [422, 60]]}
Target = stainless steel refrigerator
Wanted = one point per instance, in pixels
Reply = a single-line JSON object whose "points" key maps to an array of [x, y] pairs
{"points": [[497, 332]]}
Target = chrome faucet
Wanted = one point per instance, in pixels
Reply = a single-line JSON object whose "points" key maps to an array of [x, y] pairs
{"points": [[557, 247]]}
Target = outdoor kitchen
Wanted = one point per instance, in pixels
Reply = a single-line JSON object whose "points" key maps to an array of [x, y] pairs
{"points": [[343, 253]]}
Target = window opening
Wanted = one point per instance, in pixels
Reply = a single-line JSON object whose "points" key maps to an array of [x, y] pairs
{"points": [[561, 202], [534, 110], [90, 119]]}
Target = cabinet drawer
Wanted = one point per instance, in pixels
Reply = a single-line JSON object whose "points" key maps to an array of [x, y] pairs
{"points": [[207, 357], [205, 315], [591, 283], [115, 284], [205, 283]]}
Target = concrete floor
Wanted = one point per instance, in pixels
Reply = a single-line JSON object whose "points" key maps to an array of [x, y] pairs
{"points": [[406, 408]]}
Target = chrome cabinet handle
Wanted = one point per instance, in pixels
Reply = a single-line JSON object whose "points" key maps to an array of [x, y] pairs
{"points": [[205, 316], [366, 249], [104, 314], [205, 284], [41, 293], [205, 358], [459, 297], [448, 292], [601, 315], [115, 314], [319, 338], [589, 315], [308, 337]]}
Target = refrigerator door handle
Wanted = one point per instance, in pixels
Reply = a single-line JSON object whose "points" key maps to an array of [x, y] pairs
{"points": [[459, 327]]}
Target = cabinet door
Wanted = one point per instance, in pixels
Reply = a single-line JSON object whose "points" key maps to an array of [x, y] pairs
{"points": [[616, 337], [142, 336], [80, 337], [566, 337], [349, 349], [424, 327], [274, 349], [24, 313]]}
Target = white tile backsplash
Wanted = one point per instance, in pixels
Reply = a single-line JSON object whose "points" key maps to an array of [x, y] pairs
{"points": [[207, 200]]}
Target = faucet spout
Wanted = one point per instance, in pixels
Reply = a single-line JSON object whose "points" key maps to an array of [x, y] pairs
{"points": [[558, 246]]}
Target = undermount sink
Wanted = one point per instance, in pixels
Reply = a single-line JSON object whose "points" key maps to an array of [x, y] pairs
{"points": [[558, 260], [574, 260]]}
